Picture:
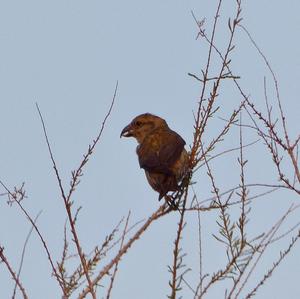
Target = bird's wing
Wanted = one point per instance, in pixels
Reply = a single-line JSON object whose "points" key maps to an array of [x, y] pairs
{"points": [[150, 161], [161, 160], [171, 148]]}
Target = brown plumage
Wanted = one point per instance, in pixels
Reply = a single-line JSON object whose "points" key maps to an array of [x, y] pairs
{"points": [[160, 152]]}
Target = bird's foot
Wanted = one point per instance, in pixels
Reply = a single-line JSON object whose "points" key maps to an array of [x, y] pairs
{"points": [[171, 201]]}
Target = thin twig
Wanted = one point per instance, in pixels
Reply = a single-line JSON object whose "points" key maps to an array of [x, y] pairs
{"points": [[23, 252], [117, 263], [12, 273], [177, 257]]}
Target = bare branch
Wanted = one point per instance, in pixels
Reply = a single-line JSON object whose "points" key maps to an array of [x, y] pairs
{"points": [[12, 273]]}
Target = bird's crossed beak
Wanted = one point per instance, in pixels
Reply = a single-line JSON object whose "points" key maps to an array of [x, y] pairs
{"points": [[127, 131]]}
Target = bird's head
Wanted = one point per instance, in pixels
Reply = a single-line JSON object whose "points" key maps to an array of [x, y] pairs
{"points": [[142, 125]]}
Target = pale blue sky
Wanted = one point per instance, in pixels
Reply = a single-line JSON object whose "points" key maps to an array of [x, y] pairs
{"points": [[67, 56]]}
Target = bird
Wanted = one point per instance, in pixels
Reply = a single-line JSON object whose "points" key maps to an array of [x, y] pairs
{"points": [[160, 152]]}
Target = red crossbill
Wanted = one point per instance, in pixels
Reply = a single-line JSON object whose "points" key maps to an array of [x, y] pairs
{"points": [[160, 151]]}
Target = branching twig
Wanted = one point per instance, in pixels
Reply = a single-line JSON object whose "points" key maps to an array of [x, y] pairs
{"points": [[117, 263], [105, 270], [74, 182], [40, 236]]}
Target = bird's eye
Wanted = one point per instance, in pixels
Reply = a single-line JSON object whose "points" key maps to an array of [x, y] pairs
{"points": [[138, 123]]}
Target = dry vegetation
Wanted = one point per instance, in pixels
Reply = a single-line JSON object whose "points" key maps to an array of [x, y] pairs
{"points": [[231, 207]]}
